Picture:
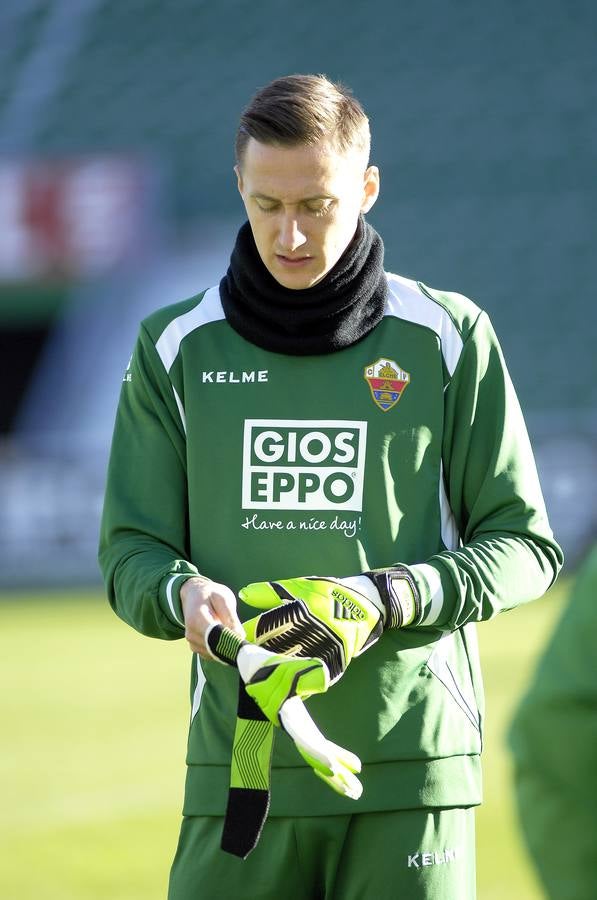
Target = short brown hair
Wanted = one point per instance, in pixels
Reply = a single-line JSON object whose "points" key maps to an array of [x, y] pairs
{"points": [[304, 109]]}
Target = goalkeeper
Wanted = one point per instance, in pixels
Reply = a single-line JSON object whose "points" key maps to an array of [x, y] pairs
{"points": [[320, 477]]}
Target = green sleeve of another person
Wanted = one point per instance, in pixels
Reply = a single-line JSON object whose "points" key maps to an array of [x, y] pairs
{"points": [[554, 743]]}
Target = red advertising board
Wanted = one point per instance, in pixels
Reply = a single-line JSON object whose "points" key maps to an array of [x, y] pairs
{"points": [[71, 218]]}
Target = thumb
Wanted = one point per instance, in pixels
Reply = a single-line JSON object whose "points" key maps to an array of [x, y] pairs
{"points": [[223, 604], [262, 595]]}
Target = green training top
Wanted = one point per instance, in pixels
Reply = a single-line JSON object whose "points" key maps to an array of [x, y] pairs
{"points": [[248, 465]]}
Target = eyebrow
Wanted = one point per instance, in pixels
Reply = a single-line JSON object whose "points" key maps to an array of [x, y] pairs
{"points": [[258, 196]]}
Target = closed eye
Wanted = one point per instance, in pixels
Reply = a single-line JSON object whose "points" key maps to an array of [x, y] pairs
{"points": [[267, 206], [315, 207], [318, 207]]}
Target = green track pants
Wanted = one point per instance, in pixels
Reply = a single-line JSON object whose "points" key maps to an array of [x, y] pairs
{"points": [[418, 854]]}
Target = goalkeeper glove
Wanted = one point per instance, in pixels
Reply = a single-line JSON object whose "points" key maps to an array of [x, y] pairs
{"points": [[278, 685], [333, 619]]}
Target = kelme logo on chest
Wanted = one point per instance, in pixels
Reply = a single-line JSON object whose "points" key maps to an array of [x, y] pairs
{"points": [[303, 464]]}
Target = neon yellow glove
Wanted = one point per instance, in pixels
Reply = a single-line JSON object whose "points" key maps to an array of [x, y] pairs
{"points": [[333, 619], [278, 684]]}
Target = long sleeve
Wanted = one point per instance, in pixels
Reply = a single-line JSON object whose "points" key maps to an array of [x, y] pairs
{"points": [[144, 532], [507, 554], [554, 742]]}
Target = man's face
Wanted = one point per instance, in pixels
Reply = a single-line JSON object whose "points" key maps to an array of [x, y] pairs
{"points": [[303, 204]]}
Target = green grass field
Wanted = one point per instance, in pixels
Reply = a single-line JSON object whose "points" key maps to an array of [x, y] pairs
{"points": [[93, 720]]}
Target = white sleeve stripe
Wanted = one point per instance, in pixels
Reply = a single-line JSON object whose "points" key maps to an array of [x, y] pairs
{"points": [[209, 309], [449, 529], [180, 409], [450, 540], [407, 301], [170, 599], [199, 688]]}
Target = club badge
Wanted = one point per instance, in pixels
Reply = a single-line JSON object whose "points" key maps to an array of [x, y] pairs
{"points": [[387, 382]]}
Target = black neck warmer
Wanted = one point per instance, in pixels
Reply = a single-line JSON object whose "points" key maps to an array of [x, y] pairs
{"points": [[335, 313]]}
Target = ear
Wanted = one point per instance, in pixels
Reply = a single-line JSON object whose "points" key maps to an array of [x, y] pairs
{"points": [[370, 188], [239, 179]]}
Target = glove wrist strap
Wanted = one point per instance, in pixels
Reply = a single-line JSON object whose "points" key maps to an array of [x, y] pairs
{"points": [[400, 594], [250, 778], [252, 748], [223, 644]]}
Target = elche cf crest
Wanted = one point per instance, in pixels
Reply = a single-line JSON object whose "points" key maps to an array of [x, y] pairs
{"points": [[387, 382]]}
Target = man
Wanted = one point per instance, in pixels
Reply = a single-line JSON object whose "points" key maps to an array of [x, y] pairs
{"points": [[554, 743], [314, 415]]}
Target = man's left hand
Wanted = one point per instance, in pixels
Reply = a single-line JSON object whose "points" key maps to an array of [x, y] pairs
{"points": [[333, 619]]}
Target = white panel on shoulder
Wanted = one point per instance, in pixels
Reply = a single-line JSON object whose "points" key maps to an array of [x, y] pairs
{"points": [[209, 309], [407, 301]]}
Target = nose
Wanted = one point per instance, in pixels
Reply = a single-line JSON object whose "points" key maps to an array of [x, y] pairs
{"points": [[290, 236]]}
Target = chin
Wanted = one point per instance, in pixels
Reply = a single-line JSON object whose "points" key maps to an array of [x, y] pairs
{"points": [[300, 281], [294, 284]]}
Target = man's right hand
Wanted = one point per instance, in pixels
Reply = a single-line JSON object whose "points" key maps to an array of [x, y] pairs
{"points": [[204, 603]]}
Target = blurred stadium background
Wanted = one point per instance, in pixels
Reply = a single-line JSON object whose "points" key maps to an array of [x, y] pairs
{"points": [[117, 120]]}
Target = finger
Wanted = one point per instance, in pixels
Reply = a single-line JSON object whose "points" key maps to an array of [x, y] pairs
{"points": [[343, 782], [195, 629], [346, 758], [201, 650], [311, 743], [333, 764], [282, 629], [198, 645], [223, 604]]}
